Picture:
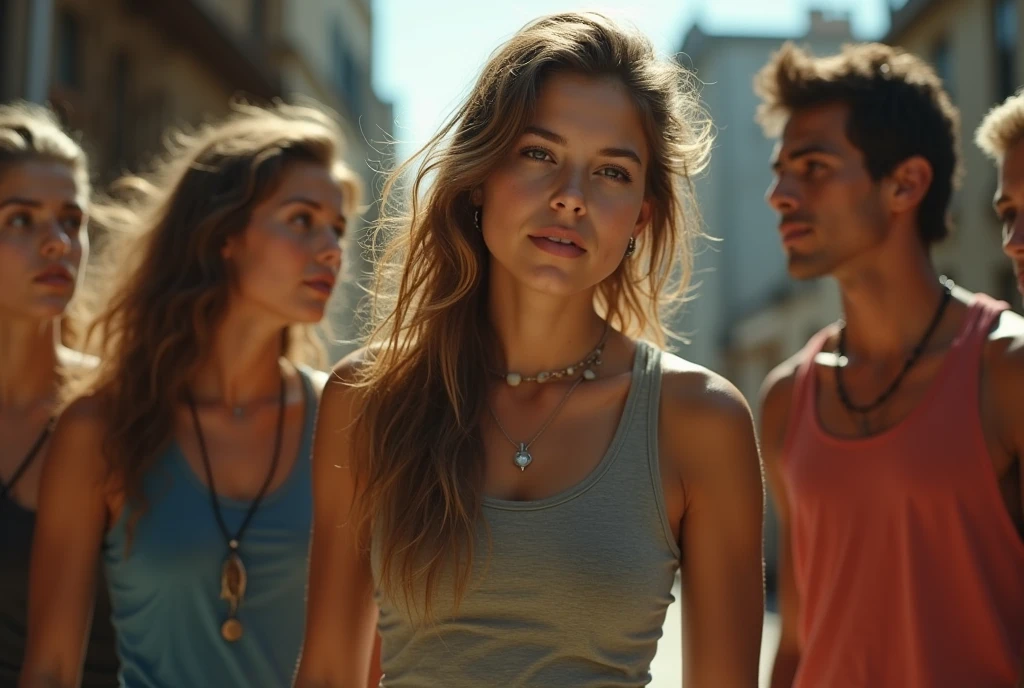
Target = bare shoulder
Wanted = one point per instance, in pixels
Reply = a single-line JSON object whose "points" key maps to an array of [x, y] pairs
{"points": [[706, 429], [83, 418], [342, 392], [699, 393], [79, 436], [704, 417]]}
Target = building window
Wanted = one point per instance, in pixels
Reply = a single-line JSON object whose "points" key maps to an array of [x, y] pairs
{"points": [[942, 60], [69, 50], [1004, 18]]}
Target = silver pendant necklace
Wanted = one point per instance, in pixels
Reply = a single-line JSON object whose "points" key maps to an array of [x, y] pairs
{"points": [[522, 458]]}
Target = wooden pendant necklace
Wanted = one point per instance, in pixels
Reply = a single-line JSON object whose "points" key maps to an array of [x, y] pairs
{"points": [[233, 578]]}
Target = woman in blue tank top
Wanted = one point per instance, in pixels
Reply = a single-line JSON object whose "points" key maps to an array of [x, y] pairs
{"points": [[44, 203], [509, 473], [184, 460]]}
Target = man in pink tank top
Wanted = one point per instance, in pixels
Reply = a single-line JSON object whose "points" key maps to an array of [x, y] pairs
{"points": [[892, 442], [1001, 137]]}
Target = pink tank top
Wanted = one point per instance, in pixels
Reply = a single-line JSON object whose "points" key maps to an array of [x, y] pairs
{"points": [[909, 569]]}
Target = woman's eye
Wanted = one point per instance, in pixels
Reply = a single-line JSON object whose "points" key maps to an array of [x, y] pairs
{"points": [[303, 220], [615, 173], [71, 224], [537, 154], [19, 220]]}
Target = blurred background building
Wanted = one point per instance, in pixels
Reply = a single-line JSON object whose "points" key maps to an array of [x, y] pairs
{"points": [[122, 71]]}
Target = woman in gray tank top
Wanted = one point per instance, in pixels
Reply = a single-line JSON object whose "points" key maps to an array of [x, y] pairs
{"points": [[184, 462], [509, 476]]}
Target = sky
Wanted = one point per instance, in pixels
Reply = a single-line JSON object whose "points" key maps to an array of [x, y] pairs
{"points": [[428, 53]]}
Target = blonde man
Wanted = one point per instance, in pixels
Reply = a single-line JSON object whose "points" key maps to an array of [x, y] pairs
{"points": [[1001, 137]]}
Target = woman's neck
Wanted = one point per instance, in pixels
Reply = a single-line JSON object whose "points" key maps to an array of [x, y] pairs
{"points": [[29, 363], [243, 365], [539, 332]]}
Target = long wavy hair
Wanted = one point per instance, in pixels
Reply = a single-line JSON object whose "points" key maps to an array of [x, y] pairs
{"points": [[170, 285], [419, 447], [29, 133]]}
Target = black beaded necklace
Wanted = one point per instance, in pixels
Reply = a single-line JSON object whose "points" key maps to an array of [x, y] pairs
{"points": [[864, 409]]}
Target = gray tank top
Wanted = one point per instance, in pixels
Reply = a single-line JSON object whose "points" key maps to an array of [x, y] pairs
{"points": [[575, 587]]}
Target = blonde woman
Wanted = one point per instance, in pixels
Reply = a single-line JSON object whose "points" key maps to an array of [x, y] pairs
{"points": [[512, 472], [185, 463]]}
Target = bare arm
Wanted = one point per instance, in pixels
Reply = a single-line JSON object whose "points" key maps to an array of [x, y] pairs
{"points": [[341, 614], [69, 528], [775, 401], [710, 436]]}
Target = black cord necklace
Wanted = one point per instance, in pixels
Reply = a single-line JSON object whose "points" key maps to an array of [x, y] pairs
{"points": [[233, 576], [864, 409], [8, 487]]}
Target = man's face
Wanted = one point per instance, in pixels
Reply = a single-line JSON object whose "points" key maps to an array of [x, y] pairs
{"points": [[830, 210]]}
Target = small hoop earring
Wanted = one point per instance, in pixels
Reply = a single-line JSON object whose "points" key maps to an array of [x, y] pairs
{"points": [[476, 220], [631, 247]]}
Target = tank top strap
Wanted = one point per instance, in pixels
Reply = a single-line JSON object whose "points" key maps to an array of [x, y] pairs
{"points": [[982, 313], [650, 400], [803, 385]]}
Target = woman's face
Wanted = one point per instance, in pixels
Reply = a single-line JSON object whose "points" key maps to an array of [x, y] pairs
{"points": [[558, 212], [42, 239], [287, 260]]}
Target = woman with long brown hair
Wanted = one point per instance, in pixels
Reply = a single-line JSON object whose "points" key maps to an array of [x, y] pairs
{"points": [[44, 204], [510, 472], [185, 461]]}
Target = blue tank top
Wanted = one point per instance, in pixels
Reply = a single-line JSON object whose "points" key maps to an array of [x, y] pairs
{"points": [[165, 595]]}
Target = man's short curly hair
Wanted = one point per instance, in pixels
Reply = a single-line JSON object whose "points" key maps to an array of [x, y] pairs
{"points": [[898, 109]]}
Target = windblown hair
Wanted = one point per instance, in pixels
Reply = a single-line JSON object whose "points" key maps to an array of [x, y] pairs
{"points": [[419, 453], [897, 109], [169, 284], [1002, 127], [30, 133]]}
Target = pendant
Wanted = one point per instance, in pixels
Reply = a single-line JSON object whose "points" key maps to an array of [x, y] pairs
{"points": [[231, 630], [522, 459], [233, 582]]}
